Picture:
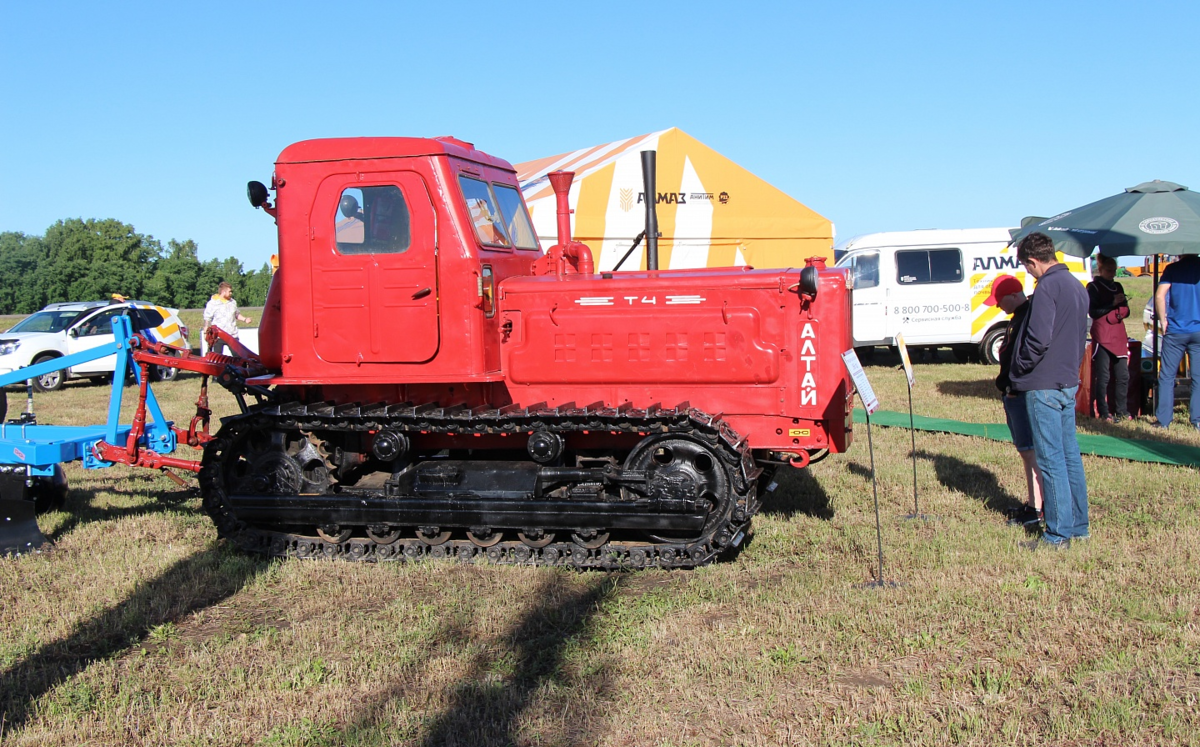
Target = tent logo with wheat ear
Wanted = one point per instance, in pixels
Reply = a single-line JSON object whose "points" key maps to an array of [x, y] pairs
{"points": [[1158, 225], [626, 199]]}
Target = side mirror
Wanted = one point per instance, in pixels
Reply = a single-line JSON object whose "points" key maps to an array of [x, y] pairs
{"points": [[809, 280], [73, 332], [258, 194]]}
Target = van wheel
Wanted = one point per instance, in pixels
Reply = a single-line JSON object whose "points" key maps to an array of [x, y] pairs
{"points": [[163, 373], [990, 347], [52, 381]]}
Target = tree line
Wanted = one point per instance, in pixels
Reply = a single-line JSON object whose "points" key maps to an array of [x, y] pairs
{"points": [[89, 260]]}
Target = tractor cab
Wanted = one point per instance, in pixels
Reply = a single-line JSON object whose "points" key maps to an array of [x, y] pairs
{"points": [[390, 253]]}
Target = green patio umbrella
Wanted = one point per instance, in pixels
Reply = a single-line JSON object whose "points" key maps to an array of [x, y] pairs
{"points": [[1152, 218]]}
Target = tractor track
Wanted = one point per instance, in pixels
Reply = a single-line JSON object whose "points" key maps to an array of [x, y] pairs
{"points": [[723, 529]]}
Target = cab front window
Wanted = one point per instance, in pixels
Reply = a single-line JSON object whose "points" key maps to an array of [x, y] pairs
{"points": [[516, 217], [488, 222]]}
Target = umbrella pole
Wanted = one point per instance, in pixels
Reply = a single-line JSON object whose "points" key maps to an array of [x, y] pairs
{"points": [[1154, 319]]}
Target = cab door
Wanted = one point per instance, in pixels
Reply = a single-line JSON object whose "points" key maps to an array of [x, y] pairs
{"points": [[869, 297], [374, 269]]}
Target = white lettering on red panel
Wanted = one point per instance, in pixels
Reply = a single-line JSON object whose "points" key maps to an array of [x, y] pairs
{"points": [[808, 355], [682, 300]]}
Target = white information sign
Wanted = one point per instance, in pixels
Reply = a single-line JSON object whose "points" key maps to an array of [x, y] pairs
{"points": [[865, 392], [908, 369]]}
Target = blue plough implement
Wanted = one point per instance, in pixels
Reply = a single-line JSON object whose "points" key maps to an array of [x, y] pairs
{"points": [[31, 478]]}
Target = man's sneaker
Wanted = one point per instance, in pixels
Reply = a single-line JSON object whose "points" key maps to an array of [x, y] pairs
{"points": [[1023, 516]]}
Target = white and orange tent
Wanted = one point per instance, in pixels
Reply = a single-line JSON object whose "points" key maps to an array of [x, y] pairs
{"points": [[711, 212]]}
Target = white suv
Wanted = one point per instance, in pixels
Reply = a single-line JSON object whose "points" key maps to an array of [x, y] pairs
{"points": [[64, 328]]}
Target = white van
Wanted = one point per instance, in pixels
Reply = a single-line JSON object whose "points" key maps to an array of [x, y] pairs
{"points": [[932, 286]]}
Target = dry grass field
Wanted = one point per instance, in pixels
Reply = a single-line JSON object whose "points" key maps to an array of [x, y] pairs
{"points": [[140, 628]]}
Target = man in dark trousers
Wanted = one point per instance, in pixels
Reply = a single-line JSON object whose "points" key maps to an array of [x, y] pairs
{"points": [[1047, 354], [1108, 308]]}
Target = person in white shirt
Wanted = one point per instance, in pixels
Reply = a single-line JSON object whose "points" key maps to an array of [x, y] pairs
{"points": [[221, 311]]}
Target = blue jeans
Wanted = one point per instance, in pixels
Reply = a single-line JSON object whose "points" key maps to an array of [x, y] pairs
{"points": [[1173, 348], [1064, 488], [1016, 413]]}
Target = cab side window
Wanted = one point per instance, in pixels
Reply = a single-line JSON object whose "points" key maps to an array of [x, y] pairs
{"points": [[921, 266], [100, 324], [372, 220]]}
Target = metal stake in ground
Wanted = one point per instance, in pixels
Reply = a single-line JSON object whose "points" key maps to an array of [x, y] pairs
{"points": [[870, 405], [912, 429], [875, 491]]}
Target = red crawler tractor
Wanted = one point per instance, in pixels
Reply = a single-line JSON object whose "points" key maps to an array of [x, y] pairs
{"points": [[429, 383], [440, 387]]}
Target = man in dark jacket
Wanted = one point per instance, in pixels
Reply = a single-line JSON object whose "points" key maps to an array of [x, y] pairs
{"points": [[1047, 354]]}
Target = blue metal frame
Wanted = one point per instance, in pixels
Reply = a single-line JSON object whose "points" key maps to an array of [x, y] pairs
{"points": [[43, 446]]}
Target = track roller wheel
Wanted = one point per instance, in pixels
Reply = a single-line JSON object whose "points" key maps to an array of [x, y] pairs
{"points": [[432, 536], [590, 538], [484, 536], [383, 534], [332, 533], [535, 538]]}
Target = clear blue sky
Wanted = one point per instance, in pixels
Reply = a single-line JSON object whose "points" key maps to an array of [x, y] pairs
{"points": [[881, 116]]}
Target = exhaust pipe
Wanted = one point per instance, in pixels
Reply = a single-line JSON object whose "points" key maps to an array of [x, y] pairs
{"points": [[567, 255], [651, 190], [561, 182]]}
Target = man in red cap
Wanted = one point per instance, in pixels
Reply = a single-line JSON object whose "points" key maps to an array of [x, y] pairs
{"points": [[1009, 295]]}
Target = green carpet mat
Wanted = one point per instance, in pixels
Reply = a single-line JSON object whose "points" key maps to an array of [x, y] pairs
{"points": [[1107, 446]]}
